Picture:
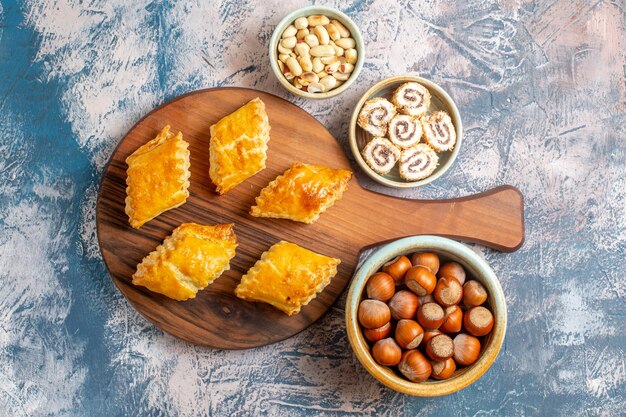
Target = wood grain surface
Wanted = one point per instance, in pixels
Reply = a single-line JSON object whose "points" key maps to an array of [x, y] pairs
{"points": [[360, 219]]}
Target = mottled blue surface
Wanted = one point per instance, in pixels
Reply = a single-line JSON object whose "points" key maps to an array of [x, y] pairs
{"points": [[541, 89]]}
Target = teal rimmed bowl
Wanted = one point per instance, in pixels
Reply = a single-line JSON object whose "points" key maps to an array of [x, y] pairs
{"points": [[448, 250]]}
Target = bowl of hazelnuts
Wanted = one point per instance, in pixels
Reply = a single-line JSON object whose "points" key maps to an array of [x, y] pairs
{"points": [[426, 316]]}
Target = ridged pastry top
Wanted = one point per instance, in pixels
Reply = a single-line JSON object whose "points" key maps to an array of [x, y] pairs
{"points": [[157, 177], [288, 277], [302, 193], [191, 258], [238, 147]]}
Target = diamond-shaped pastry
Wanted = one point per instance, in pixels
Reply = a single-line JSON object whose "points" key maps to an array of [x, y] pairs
{"points": [[288, 277], [302, 193], [238, 147], [157, 177], [191, 258]]}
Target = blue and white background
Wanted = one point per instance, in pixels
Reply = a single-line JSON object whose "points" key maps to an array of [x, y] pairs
{"points": [[541, 88]]}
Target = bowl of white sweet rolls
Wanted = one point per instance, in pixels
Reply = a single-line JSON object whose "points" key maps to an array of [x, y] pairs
{"points": [[405, 131]]}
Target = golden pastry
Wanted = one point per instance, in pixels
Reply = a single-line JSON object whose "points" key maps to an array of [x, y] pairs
{"points": [[238, 147], [157, 177], [375, 116], [381, 155], [439, 131], [191, 258], [418, 162], [287, 276], [412, 98], [405, 131], [302, 193]]}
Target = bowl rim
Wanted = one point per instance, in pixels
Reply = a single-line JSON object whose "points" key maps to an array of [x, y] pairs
{"points": [[480, 270], [454, 114], [288, 19]]}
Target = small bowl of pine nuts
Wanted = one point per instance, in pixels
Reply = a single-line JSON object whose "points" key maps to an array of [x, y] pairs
{"points": [[316, 52]]}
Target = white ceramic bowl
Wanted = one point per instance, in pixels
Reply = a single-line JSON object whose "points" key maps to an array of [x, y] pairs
{"points": [[331, 14]]}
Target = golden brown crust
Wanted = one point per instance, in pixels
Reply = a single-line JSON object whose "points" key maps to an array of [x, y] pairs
{"points": [[302, 193], [288, 277], [238, 147], [157, 177], [191, 258]]}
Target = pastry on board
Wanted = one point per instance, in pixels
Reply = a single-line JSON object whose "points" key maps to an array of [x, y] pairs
{"points": [[412, 98], [188, 260], [238, 147], [439, 131], [302, 193], [288, 277], [381, 155], [418, 162], [157, 177], [375, 115]]}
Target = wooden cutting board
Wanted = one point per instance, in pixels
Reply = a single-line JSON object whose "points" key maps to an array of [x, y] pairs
{"points": [[360, 219]]}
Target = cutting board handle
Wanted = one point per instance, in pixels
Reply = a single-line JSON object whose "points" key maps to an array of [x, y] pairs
{"points": [[494, 218]]}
